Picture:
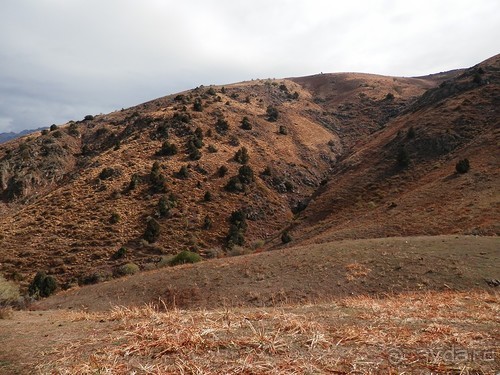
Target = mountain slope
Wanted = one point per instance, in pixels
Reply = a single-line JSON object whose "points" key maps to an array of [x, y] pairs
{"points": [[371, 194]]}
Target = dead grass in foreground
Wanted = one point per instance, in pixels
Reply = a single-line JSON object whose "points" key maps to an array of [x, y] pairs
{"points": [[435, 332]]}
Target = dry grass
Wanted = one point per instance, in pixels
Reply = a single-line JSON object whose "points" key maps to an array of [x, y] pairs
{"points": [[414, 333]]}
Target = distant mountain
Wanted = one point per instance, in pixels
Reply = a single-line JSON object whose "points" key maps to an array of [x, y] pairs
{"points": [[4, 137]]}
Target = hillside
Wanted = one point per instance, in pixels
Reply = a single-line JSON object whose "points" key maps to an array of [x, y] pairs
{"points": [[61, 215], [371, 194], [224, 170]]}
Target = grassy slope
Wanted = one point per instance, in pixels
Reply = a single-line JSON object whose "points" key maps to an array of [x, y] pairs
{"points": [[303, 274]]}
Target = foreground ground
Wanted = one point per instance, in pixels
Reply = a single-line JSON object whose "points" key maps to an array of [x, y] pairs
{"points": [[424, 332], [425, 305]]}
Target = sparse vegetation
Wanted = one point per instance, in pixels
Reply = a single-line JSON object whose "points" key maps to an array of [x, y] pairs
{"points": [[114, 218], [286, 237], [283, 130], [197, 106], [156, 178], [183, 172], [107, 173], [208, 196], [221, 126], [222, 171], [127, 269], [207, 222]]}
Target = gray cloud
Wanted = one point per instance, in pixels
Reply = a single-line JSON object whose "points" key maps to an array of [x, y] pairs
{"points": [[61, 60]]}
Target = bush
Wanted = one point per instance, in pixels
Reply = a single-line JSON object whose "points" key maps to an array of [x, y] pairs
{"points": [[134, 181], [127, 269], [119, 254], [42, 285], [245, 123], [222, 171], [234, 185], [156, 178], [114, 218], [106, 173], [272, 114], [403, 158], [185, 257], [152, 232], [197, 106], [221, 126], [411, 132], [245, 174], [212, 149], [167, 149], [389, 96], [207, 222], [9, 292], [163, 207], [283, 130], [88, 118], [462, 166], [237, 229], [53, 127], [183, 172], [207, 197], [241, 156], [285, 237]]}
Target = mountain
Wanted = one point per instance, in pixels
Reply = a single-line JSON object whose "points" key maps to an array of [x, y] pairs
{"points": [[214, 167], [4, 137]]}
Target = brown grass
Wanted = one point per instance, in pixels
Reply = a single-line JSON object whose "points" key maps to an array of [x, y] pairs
{"points": [[414, 333]]}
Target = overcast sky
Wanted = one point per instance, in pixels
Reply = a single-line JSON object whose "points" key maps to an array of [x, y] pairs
{"points": [[63, 59]]}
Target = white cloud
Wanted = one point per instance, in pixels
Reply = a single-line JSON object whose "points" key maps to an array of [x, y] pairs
{"points": [[59, 60]]}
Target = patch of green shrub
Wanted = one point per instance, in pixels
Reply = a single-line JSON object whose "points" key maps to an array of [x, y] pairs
{"points": [[185, 257], [222, 171], [127, 269], [119, 254], [107, 173], [245, 124], [286, 237], [167, 149], [42, 285]]}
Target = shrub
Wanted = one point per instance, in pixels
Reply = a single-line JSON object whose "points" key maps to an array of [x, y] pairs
{"points": [[207, 222], [245, 123], [283, 130], [198, 133], [462, 166], [237, 229], [119, 254], [245, 174], [114, 218], [53, 127], [152, 232], [134, 181], [241, 156], [127, 269], [156, 178], [285, 237], [9, 292], [42, 285], [197, 106], [163, 207], [207, 197], [106, 173], [389, 96], [195, 154], [185, 257], [221, 126], [234, 185], [73, 130], [167, 149], [212, 149], [88, 118], [272, 113], [267, 171], [411, 132], [183, 172], [222, 171], [403, 158]]}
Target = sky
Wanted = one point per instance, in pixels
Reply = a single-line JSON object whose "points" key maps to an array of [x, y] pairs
{"points": [[63, 59]]}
